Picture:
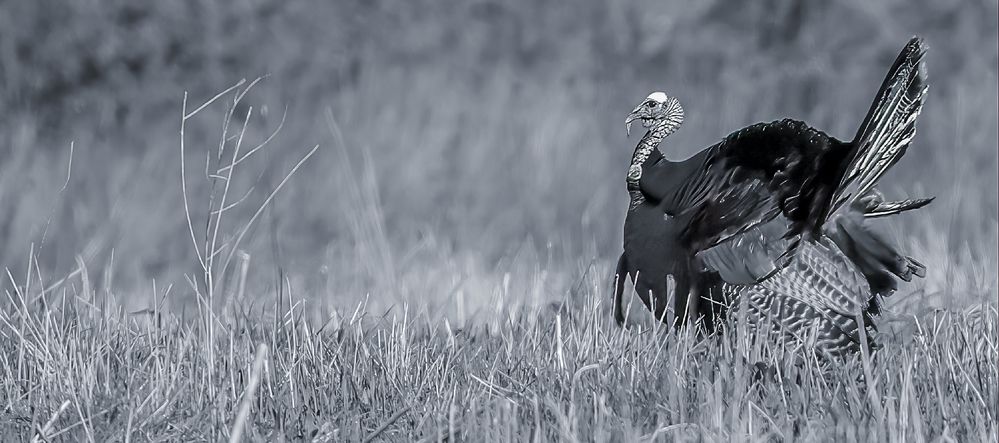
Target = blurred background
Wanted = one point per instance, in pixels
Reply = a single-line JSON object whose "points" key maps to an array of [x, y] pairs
{"points": [[471, 154]]}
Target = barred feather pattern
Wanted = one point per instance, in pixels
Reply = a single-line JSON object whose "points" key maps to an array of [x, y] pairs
{"points": [[889, 126], [813, 301]]}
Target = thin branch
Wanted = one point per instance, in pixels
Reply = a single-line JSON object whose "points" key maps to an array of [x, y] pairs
{"points": [[225, 190], [183, 177], [259, 146], [266, 202], [235, 203], [210, 101], [69, 166]]}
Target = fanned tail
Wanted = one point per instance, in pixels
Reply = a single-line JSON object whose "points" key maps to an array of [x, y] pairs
{"points": [[889, 126], [881, 141]]}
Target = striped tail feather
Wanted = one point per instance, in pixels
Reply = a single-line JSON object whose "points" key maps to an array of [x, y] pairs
{"points": [[885, 209], [873, 205], [889, 126]]}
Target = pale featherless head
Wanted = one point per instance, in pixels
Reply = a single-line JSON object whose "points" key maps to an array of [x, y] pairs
{"points": [[658, 111]]}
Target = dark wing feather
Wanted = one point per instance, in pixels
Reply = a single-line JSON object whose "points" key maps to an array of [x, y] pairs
{"points": [[751, 256], [775, 174]]}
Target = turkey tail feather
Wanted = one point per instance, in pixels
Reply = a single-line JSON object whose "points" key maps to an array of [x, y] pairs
{"points": [[879, 259], [889, 126], [884, 209]]}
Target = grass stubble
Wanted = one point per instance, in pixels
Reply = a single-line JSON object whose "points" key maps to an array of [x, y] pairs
{"points": [[76, 365], [76, 368]]}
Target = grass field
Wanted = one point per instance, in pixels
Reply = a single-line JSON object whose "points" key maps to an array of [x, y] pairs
{"points": [[421, 247], [83, 372]]}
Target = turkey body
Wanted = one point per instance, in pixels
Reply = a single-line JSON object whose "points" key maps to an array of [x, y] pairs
{"points": [[732, 218], [782, 173]]}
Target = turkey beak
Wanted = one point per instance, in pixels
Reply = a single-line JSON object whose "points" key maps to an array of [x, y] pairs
{"points": [[635, 115]]}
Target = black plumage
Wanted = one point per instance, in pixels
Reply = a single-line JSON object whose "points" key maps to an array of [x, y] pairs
{"points": [[736, 212]]}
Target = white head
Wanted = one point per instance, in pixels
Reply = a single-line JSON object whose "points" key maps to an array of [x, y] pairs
{"points": [[659, 111]]}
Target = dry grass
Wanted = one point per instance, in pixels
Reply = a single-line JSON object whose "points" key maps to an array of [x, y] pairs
{"points": [[566, 374]]}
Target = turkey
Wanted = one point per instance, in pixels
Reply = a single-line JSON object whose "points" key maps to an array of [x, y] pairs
{"points": [[732, 218]]}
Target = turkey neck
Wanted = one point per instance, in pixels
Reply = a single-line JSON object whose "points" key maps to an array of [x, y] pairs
{"points": [[646, 145]]}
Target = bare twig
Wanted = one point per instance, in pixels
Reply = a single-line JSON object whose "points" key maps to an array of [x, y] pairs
{"points": [[210, 101], [260, 210], [183, 174], [69, 166]]}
